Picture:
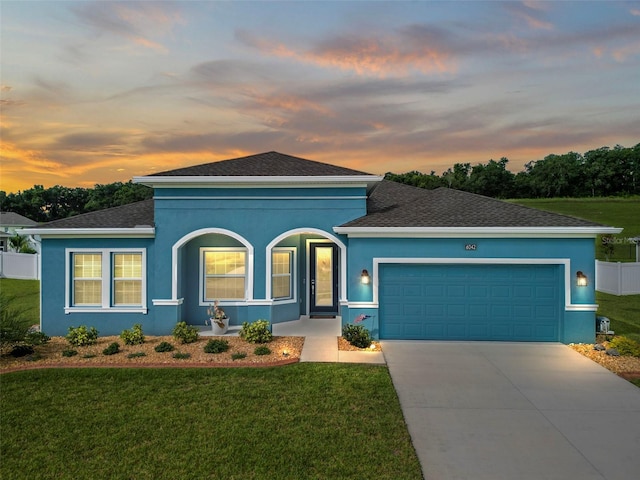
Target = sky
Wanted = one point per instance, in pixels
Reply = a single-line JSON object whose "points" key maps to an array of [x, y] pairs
{"points": [[98, 92]]}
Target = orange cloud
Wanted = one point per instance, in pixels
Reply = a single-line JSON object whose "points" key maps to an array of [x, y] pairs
{"points": [[390, 56]]}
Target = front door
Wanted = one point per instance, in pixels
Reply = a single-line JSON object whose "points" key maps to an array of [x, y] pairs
{"points": [[323, 276]]}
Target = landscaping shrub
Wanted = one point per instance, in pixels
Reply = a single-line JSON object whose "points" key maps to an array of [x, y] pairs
{"points": [[82, 336], [185, 333], [625, 346], [181, 356], [133, 336], [112, 349], [164, 347], [357, 335], [238, 355], [262, 350], [21, 350], [34, 337], [216, 346], [137, 355], [89, 355], [256, 332], [70, 353]]}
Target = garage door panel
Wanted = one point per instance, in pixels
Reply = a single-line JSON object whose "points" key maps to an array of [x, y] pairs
{"points": [[476, 302]]}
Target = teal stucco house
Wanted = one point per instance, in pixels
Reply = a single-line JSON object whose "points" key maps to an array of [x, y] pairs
{"points": [[276, 237]]}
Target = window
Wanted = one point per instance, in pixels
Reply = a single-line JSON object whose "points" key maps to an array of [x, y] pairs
{"points": [[223, 274], [87, 279], [281, 274], [127, 279], [104, 279]]}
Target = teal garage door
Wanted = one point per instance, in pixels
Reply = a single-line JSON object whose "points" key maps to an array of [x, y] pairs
{"points": [[470, 302]]}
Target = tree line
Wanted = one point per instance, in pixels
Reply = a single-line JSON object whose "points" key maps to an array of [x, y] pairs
{"points": [[47, 204], [598, 173]]}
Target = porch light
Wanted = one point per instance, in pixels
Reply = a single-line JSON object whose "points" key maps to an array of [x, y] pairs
{"points": [[581, 279], [364, 277]]}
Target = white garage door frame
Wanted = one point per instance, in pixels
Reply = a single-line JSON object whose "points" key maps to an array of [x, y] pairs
{"points": [[569, 306]]}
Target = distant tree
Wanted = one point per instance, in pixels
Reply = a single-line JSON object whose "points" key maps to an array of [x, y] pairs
{"points": [[492, 179], [458, 177]]}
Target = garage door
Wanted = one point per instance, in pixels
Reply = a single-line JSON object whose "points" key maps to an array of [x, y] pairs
{"points": [[470, 302]]}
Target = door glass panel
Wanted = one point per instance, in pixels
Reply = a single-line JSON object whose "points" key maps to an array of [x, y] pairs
{"points": [[324, 276]]}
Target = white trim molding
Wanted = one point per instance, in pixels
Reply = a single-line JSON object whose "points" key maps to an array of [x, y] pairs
{"points": [[569, 306], [107, 282], [175, 250], [144, 231], [160, 302], [320, 181], [475, 232]]}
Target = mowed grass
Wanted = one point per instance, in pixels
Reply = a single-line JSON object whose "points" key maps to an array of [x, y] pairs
{"points": [[623, 311], [24, 297], [316, 421], [621, 212]]}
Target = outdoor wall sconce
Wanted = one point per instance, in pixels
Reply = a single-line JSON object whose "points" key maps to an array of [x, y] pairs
{"points": [[364, 277], [581, 279]]}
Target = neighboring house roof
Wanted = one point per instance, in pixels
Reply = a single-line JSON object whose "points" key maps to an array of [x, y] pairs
{"points": [[11, 219], [269, 164], [133, 215], [393, 204]]}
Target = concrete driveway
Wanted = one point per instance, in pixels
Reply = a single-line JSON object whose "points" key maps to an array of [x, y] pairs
{"points": [[515, 411]]}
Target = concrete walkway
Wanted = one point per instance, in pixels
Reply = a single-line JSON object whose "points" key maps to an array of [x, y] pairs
{"points": [[502, 411], [321, 343]]}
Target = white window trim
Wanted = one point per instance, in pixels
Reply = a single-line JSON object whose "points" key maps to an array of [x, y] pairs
{"points": [[293, 276], [201, 284], [107, 282]]}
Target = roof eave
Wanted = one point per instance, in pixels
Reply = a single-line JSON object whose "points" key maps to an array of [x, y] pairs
{"points": [[196, 181], [135, 232], [478, 232]]}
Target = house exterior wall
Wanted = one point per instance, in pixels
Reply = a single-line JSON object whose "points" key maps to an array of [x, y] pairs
{"points": [[577, 315]]}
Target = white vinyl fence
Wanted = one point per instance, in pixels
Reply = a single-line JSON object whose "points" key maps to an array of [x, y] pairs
{"points": [[20, 265], [618, 278]]}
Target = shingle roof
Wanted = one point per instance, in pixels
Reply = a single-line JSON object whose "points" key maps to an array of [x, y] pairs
{"points": [[124, 216], [11, 219], [392, 204], [269, 164]]}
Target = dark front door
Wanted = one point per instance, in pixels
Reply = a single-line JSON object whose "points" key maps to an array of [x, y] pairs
{"points": [[323, 284]]}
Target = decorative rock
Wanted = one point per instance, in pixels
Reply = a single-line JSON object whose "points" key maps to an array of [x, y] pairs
{"points": [[613, 352], [599, 347]]}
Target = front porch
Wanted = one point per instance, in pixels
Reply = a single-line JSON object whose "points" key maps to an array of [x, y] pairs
{"points": [[303, 327]]}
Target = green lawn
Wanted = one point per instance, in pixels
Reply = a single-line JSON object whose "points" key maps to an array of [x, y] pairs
{"points": [[612, 211], [320, 421], [623, 311], [24, 297]]}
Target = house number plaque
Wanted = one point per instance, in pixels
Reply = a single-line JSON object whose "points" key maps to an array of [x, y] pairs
{"points": [[470, 246]]}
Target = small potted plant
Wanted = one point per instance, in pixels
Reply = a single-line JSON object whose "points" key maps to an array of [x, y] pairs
{"points": [[217, 317]]}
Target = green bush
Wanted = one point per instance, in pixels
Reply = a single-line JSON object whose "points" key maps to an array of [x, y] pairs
{"points": [[181, 356], [21, 350], [262, 350], [164, 347], [69, 352], [238, 355], [256, 332], [185, 333], [357, 335], [82, 336], [13, 327], [112, 349], [216, 346], [36, 338], [133, 336], [137, 355], [89, 355], [625, 346]]}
